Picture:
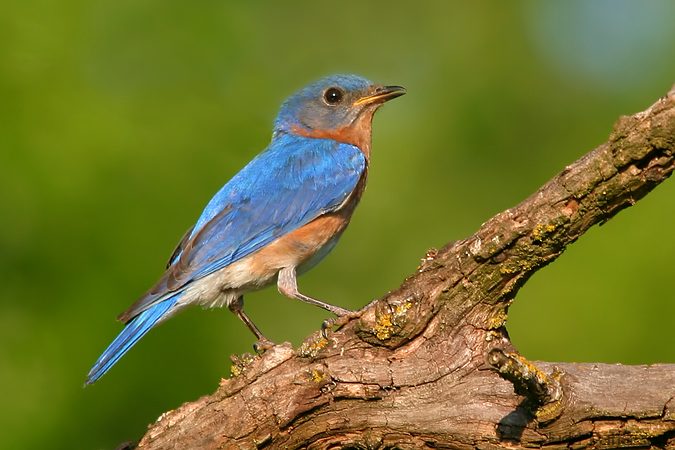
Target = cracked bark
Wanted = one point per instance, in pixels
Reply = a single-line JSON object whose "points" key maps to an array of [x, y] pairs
{"points": [[430, 365]]}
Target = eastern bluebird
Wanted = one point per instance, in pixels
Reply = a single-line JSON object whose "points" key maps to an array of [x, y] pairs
{"points": [[278, 217]]}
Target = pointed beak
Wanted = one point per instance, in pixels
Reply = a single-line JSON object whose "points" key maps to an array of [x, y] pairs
{"points": [[381, 95]]}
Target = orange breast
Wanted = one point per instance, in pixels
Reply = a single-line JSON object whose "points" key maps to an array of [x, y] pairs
{"points": [[298, 246]]}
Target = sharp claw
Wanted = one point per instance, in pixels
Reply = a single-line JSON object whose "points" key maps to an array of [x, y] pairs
{"points": [[326, 325], [339, 321], [262, 346]]}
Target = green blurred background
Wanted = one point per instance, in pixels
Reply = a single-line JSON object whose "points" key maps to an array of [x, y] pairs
{"points": [[119, 120]]}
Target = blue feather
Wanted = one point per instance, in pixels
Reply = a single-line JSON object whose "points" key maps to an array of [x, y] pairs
{"points": [[131, 333], [294, 181]]}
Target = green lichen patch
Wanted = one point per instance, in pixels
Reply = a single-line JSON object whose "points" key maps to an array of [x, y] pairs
{"points": [[521, 264]]}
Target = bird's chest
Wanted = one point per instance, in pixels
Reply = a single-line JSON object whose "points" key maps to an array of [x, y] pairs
{"points": [[305, 246]]}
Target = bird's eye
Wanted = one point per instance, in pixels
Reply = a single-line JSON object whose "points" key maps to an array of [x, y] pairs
{"points": [[333, 96]]}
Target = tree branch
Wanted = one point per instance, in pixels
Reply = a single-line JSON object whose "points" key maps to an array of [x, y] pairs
{"points": [[422, 367]]}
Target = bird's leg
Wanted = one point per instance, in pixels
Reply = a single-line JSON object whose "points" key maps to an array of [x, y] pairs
{"points": [[237, 307], [288, 286], [287, 283]]}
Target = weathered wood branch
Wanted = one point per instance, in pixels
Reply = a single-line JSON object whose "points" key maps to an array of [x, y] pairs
{"points": [[430, 365]]}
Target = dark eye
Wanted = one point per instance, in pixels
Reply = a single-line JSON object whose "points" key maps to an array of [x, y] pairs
{"points": [[333, 96]]}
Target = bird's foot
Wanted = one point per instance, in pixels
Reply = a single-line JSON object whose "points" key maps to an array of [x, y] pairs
{"points": [[338, 322], [262, 346]]}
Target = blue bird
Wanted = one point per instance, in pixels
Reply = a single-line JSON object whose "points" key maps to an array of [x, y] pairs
{"points": [[277, 218]]}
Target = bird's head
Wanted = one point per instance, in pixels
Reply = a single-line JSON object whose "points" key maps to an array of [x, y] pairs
{"points": [[338, 107]]}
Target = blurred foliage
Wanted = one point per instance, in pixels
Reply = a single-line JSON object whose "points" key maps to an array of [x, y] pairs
{"points": [[119, 120]]}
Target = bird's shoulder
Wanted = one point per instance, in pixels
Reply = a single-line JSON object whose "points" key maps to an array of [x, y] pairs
{"points": [[289, 163]]}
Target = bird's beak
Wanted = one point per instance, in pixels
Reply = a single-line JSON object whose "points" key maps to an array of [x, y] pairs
{"points": [[381, 95]]}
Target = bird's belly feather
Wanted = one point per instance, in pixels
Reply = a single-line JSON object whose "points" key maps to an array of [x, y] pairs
{"points": [[303, 247]]}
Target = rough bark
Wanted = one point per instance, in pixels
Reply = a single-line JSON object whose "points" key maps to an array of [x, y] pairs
{"points": [[430, 365]]}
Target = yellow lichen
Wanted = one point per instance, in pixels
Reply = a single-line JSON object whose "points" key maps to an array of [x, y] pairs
{"points": [[551, 410], [541, 231], [498, 320], [387, 323], [383, 328], [519, 265], [400, 310], [312, 346], [508, 270], [317, 376], [241, 363]]}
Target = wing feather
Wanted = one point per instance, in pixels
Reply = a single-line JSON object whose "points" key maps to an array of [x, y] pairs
{"points": [[290, 184]]}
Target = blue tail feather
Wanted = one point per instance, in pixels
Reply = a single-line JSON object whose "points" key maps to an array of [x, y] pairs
{"points": [[132, 332]]}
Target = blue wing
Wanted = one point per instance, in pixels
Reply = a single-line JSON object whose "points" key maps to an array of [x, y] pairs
{"points": [[290, 184]]}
